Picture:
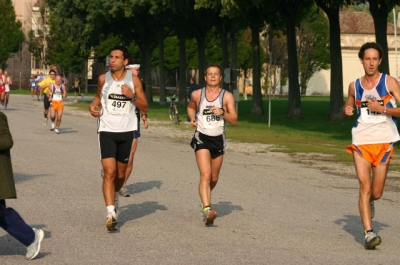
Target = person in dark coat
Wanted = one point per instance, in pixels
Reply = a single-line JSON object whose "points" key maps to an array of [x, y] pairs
{"points": [[10, 220]]}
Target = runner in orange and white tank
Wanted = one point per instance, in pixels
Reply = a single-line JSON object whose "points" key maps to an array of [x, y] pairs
{"points": [[55, 94], [375, 131]]}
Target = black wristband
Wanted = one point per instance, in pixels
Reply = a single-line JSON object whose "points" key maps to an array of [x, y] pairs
{"points": [[144, 114], [223, 112], [134, 98]]}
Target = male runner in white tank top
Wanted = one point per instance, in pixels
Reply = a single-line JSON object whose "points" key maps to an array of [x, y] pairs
{"points": [[208, 110], [374, 95], [119, 92]]}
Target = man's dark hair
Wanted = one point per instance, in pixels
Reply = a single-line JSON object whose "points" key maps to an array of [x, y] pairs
{"points": [[52, 71], [123, 49], [212, 65], [370, 45]]}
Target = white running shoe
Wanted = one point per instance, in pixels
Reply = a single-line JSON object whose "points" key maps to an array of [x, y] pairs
{"points": [[53, 125], [56, 131], [371, 240], [112, 222], [45, 121], [33, 249]]}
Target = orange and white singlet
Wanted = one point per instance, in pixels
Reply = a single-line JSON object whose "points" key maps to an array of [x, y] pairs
{"points": [[374, 127]]}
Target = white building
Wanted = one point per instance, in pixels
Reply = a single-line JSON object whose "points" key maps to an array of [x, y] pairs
{"points": [[19, 65], [356, 29]]}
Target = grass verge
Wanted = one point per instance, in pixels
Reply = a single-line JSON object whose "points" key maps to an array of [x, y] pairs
{"points": [[300, 138]]}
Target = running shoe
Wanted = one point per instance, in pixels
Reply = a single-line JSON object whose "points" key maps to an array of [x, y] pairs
{"points": [[56, 131], [45, 121], [371, 240], [112, 222], [123, 192], [75, 100], [209, 216], [53, 125], [33, 249], [372, 209]]}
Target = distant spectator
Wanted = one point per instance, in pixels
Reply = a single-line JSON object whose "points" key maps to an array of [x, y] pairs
{"points": [[192, 87], [248, 89]]}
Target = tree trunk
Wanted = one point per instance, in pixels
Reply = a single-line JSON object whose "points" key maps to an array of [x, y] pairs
{"points": [[379, 12], [147, 72], [234, 58], [294, 108], [163, 100], [182, 71], [257, 108], [336, 93], [201, 51], [223, 35]]}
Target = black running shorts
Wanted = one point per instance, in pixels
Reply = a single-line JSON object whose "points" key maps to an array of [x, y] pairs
{"points": [[46, 102], [116, 145], [215, 144]]}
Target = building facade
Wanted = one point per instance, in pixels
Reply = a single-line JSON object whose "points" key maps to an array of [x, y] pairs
{"points": [[20, 65], [356, 29]]}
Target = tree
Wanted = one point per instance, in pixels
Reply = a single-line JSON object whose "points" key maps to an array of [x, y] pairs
{"points": [[275, 45], [70, 37], [288, 9], [379, 10], [10, 30], [37, 38], [313, 51], [331, 9]]}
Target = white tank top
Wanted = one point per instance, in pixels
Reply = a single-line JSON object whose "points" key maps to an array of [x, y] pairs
{"points": [[57, 93], [208, 123], [374, 127], [118, 112], [8, 85]]}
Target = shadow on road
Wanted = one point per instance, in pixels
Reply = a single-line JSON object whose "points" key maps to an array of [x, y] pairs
{"points": [[136, 211], [18, 177], [225, 208], [352, 225], [143, 186]]}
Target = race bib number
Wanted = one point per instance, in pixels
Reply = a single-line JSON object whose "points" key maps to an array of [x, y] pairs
{"points": [[118, 104], [210, 120], [369, 116], [57, 97]]}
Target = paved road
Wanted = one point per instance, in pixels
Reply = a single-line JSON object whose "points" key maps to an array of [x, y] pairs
{"points": [[270, 211]]}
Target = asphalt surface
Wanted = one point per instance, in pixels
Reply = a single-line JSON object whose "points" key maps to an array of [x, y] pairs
{"points": [[270, 211]]}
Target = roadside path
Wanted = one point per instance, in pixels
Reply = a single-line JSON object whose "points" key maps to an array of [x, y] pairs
{"points": [[270, 211]]}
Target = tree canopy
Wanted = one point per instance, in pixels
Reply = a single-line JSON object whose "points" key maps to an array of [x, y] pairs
{"points": [[10, 30]]}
